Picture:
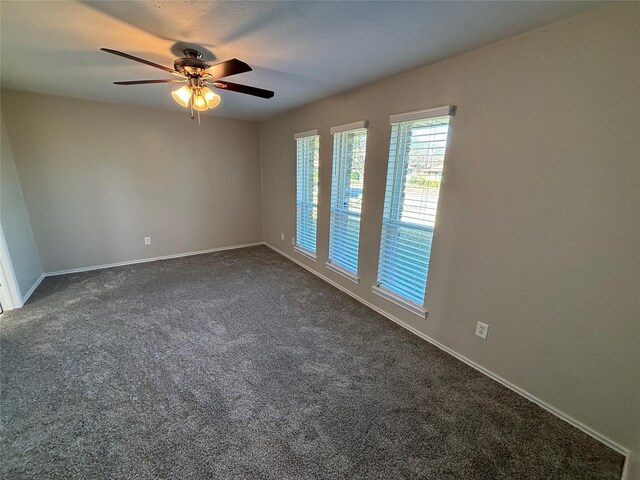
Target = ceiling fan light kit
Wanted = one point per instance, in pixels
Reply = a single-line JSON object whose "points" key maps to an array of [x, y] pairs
{"points": [[182, 95], [196, 95], [197, 74]]}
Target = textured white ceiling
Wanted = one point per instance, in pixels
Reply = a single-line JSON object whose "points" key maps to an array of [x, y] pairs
{"points": [[302, 50]]}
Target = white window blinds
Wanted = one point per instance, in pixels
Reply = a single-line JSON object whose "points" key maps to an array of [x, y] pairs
{"points": [[349, 147], [306, 190], [416, 158]]}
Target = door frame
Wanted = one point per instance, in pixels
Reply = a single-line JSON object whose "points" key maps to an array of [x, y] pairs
{"points": [[9, 292]]}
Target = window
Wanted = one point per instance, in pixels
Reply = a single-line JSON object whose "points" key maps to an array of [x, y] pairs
{"points": [[306, 191], [349, 148], [416, 157]]}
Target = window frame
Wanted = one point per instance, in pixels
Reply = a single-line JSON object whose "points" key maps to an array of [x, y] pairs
{"points": [[340, 153], [308, 205], [398, 187]]}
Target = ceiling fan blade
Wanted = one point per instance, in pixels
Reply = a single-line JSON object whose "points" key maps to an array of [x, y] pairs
{"points": [[228, 68], [141, 60], [143, 82], [236, 87]]}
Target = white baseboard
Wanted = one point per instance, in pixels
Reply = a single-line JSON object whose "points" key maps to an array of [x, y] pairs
{"points": [[558, 413], [26, 296], [152, 259]]}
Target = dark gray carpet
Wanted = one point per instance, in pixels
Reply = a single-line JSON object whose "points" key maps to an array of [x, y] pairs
{"points": [[241, 364]]}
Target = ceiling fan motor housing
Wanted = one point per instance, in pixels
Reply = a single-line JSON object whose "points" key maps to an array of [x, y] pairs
{"points": [[192, 64]]}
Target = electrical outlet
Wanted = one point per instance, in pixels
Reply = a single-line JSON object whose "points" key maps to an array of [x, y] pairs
{"points": [[482, 329], [282, 236], [293, 241], [147, 240]]}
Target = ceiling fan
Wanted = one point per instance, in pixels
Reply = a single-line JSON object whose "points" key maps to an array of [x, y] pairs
{"points": [[198, 75]]}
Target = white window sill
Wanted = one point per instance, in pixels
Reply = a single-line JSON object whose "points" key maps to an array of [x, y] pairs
{"points": [[400, 301], [306, 253], [341, 271]]}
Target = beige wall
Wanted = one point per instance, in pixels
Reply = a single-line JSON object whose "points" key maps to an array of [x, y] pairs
{"points": [[538, 228], [15, 221], [98, 178]]}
